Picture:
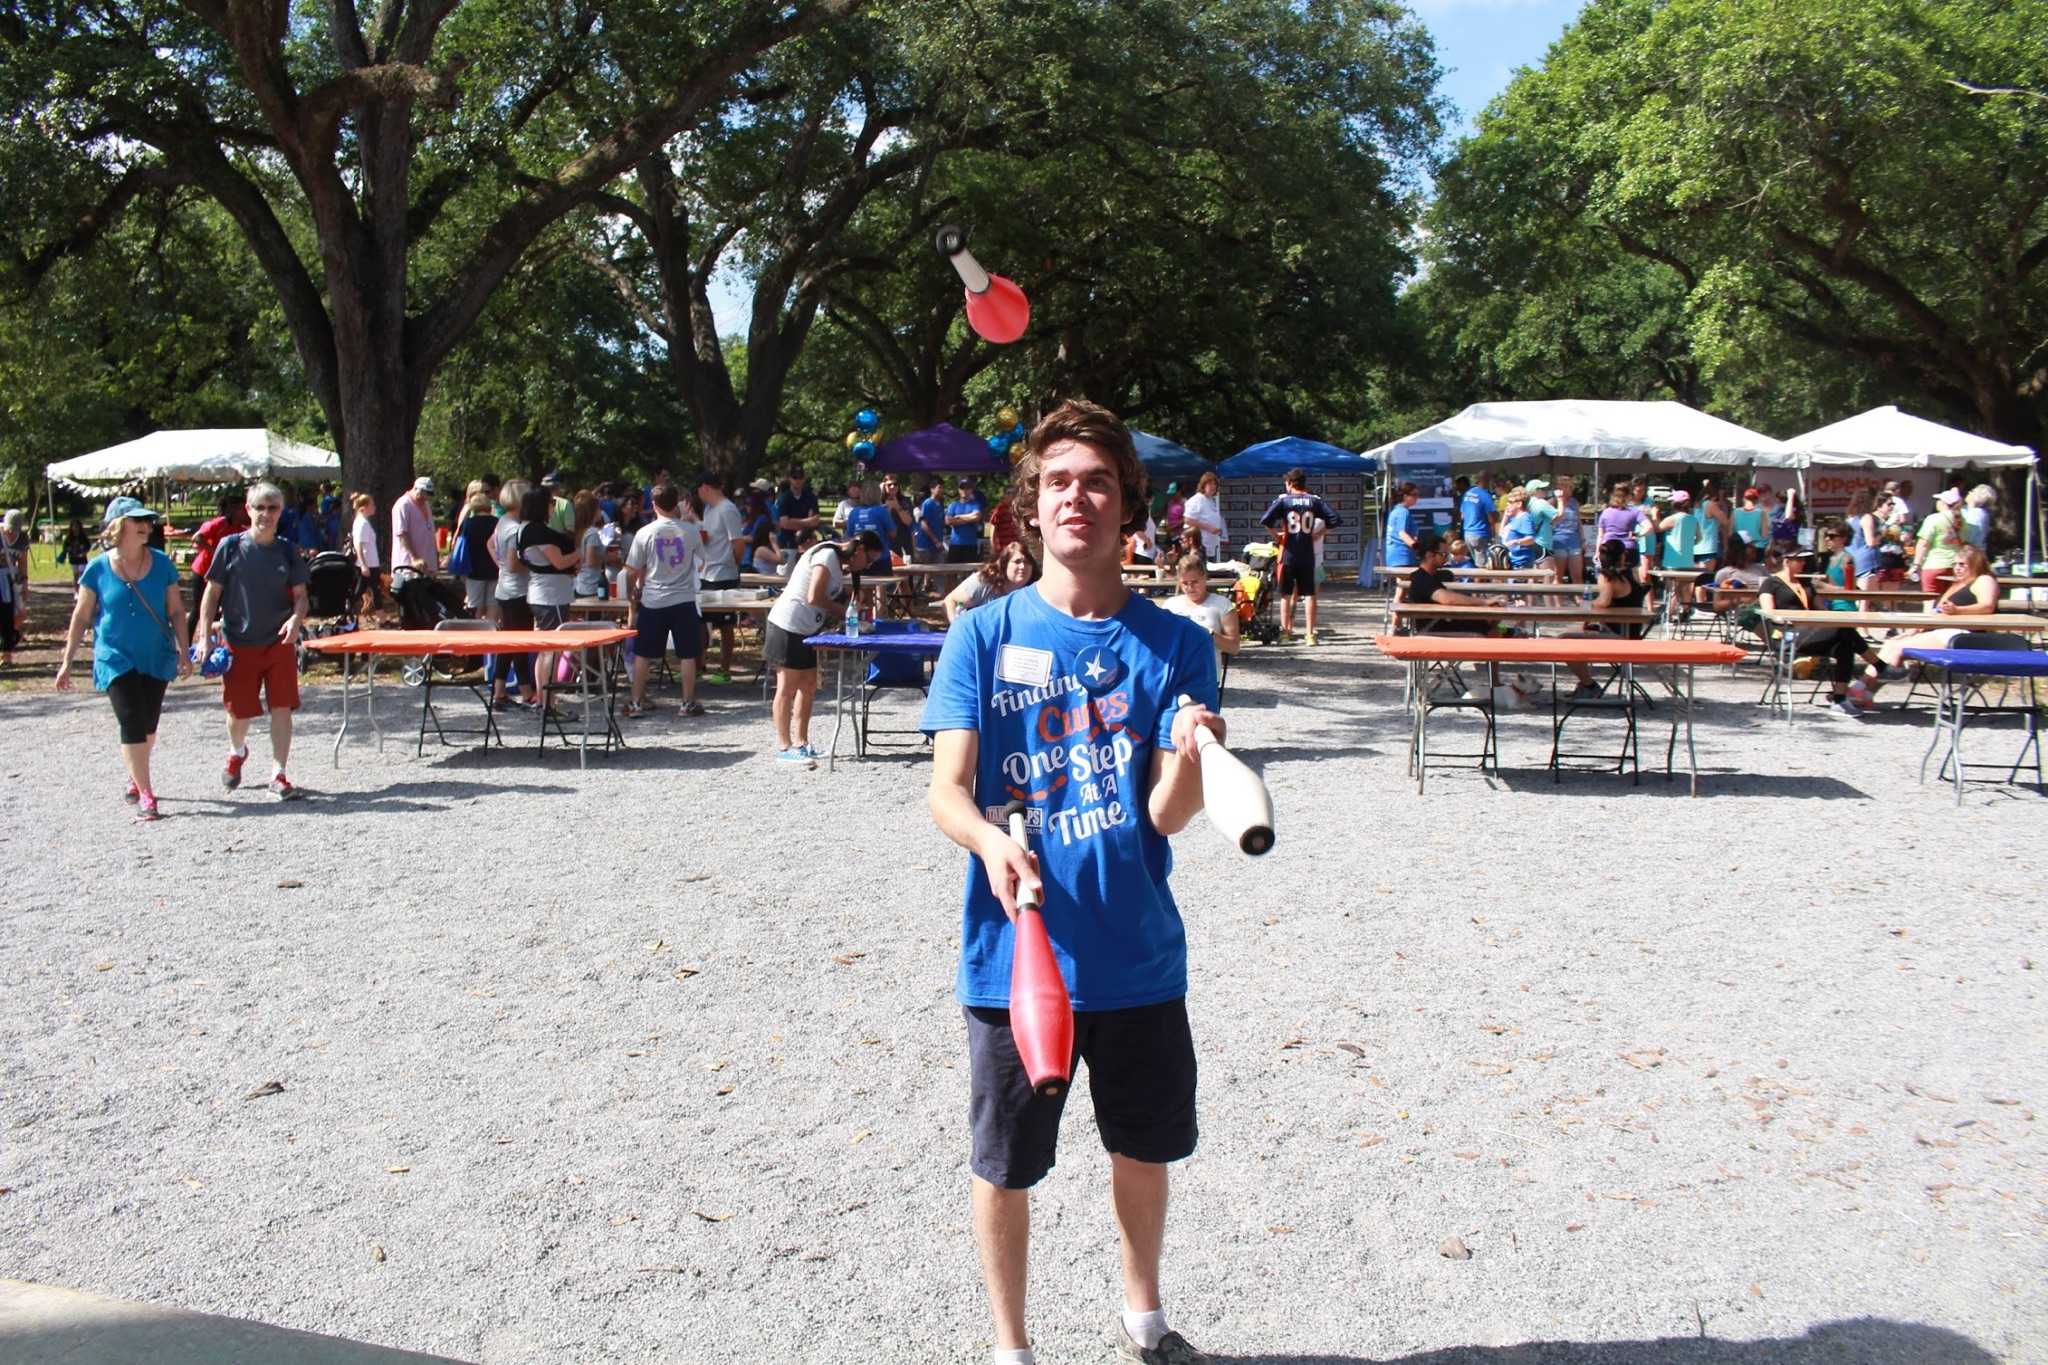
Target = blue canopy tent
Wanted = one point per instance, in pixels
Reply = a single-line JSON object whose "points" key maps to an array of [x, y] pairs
{"points": [[1253, 475], [1165, 460], [1272, 459]]}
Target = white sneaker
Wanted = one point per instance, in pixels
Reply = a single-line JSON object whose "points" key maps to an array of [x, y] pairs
{"points": [[1845, 707]]}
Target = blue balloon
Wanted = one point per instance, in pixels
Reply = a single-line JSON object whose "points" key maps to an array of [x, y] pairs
{"points": [[1017, 433], [863, 451], [867, 419], [1000, 443]]}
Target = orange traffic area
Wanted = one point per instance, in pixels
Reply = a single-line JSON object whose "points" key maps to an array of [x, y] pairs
{"points": [[1554, 650], [467, 643]]}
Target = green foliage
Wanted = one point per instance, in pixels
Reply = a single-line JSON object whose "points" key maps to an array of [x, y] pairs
{"points": [[1789, 206]]}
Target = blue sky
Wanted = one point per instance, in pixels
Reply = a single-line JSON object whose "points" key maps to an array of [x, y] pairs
{"points": [[1479, 43]]}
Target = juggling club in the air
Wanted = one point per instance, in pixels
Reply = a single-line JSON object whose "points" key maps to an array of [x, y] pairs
{"points": [[996, 308], [1041, 1013]]}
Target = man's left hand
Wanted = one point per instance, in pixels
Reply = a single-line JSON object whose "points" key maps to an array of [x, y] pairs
{"points": [[289, 631], [1189, 719]]}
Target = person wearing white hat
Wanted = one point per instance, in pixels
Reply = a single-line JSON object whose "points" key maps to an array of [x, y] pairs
{"points": [[130, 598], [1681, 538], [1942, 537], [412, 535]]}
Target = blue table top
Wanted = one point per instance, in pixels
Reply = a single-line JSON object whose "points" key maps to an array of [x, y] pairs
{"points": [[1996, 663], [907, 642]]}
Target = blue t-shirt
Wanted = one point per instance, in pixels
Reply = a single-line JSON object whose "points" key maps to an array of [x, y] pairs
{"points": [[1544, 518], [1476, 509], [1399, 553], [1519, 525], [1566, 534], [1069, 714], [126, 637], [931, 524], [1680, 541], [873, 516], [967, 532]]}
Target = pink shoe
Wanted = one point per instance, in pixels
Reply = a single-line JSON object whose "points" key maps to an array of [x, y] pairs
{"points": [[145, 807]]}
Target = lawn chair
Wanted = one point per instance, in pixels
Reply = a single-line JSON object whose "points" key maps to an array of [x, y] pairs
{"points": [[467, 672]]}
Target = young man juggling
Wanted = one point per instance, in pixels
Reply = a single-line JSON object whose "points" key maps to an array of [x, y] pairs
{"points": [[1065, 695]]}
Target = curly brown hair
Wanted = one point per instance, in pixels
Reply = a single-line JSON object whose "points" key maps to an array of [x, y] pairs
{"points": [[1091, 425]]}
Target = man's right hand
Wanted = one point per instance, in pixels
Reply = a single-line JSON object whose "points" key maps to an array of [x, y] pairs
{"points": [[1011, 869]]}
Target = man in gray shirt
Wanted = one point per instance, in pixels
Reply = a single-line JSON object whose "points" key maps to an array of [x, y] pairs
{"points": [[257, 586]]}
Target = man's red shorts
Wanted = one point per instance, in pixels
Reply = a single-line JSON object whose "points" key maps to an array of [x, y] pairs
{"points": [[272, 670]]}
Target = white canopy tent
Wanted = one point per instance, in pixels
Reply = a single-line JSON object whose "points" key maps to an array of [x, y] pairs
{"points": [[213, 455], [1885, 438], [1585, 429]]}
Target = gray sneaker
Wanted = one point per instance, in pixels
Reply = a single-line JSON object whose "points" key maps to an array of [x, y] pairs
{"points": [[1173, 1349]]}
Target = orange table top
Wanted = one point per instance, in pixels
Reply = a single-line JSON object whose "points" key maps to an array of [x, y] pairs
{"points": [[1554, 650], [466, 643]]}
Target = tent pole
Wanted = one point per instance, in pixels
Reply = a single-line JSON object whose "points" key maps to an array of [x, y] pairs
{"points": [[2033, 512]]}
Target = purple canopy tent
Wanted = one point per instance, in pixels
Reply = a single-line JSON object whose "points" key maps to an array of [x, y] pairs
{"points": [[940, 449]]}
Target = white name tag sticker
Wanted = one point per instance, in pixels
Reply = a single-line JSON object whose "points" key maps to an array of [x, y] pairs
{"points": [[1025, 667]]}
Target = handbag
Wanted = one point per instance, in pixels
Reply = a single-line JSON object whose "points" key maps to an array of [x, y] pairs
{"points": [[459, 555]]}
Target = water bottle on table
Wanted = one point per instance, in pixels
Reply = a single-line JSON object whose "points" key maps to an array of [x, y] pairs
{"points": [[852, 627]]}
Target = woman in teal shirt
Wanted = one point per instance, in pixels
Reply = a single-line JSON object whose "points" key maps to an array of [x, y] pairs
{"points": [[1681, 540], [130, 597]]}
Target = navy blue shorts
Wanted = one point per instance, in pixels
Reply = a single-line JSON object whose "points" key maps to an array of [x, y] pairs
{"points": [[659, 625], [1141, 1078], [1297, 580]]}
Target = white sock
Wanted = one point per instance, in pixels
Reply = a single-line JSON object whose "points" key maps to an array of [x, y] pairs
{"points": [[239, 752], [276, 770], [1146, 1328], [1021, 1356]]}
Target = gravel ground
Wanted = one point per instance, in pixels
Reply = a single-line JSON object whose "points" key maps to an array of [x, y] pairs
{"points": [[658, 1061]]}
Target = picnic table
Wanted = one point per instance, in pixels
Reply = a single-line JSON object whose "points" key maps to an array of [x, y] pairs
{"points": [[1955, 667], [1579, 614], [1403, 571], [470, 644], [1423, 654], [1786, 643], [860, 649]]}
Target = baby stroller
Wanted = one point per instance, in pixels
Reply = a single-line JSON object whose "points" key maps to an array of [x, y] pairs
{"points": [[424, 602], [332, 586], [1254, 594]]}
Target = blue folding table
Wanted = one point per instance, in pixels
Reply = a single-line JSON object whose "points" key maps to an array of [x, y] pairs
{"points": [[1955, 666]]}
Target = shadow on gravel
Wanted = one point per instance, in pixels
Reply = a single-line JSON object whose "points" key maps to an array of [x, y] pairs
{"points": [[1713, 782], [1864, 1341], [398, 796]]}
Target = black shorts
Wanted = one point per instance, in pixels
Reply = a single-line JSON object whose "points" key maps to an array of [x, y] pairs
{"points": [[781, 649], [1297, 580], [658, 626], [138, 702], [964, 554], [1141, 1078]]}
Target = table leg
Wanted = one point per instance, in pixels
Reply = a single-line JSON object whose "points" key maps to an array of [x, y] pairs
{"points": [[1421, 742], [583, 700], [838, 710], [347, 659], [1955, 743], [370, 687], [1935, 737]]}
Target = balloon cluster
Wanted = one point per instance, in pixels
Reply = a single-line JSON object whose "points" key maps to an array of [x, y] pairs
{"points": [[1003, 442], [861, 440]]}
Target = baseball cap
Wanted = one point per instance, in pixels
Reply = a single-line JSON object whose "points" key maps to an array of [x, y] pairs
{"points": [[761, 486], [125, 509], [1536, 485], [1792, 549], [551, 479], [423, 484], [1949, 497], [1680, 496]]}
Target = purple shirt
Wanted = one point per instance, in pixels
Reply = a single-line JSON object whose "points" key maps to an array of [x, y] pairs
{"points": [[1617, 523]]}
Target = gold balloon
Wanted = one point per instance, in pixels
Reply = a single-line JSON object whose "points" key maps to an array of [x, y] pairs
{"points": [[852, 439], [1008, 417]]}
